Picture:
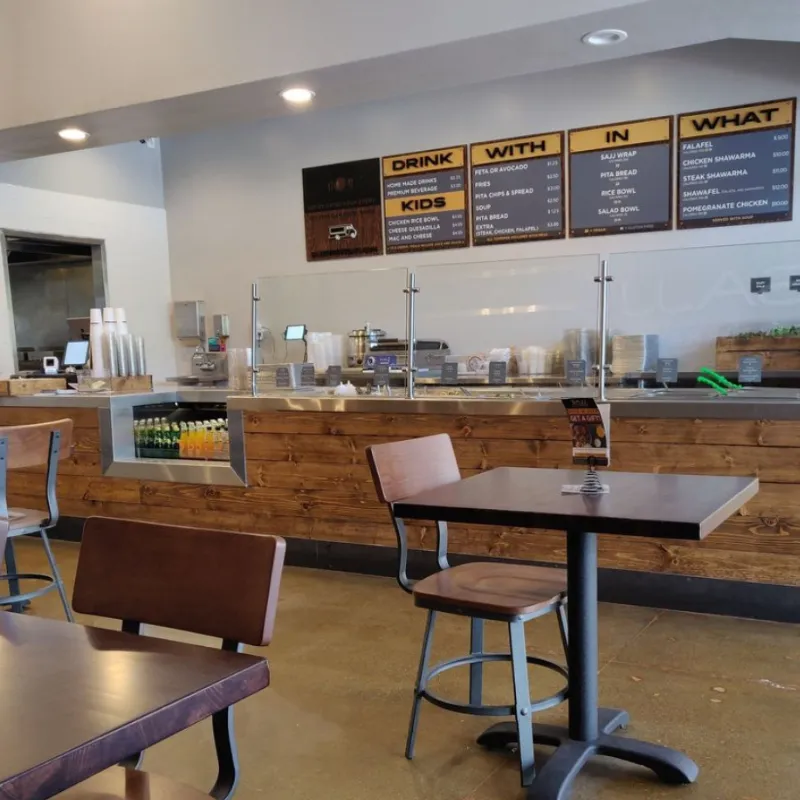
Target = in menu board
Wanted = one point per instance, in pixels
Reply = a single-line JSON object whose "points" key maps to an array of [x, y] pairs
{"points": [[621, 178], [736, 165], [342, 205], [425, 200], [518, 189]]}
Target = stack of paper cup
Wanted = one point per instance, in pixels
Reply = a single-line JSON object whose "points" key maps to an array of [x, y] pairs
{"points": [[99, 366]]}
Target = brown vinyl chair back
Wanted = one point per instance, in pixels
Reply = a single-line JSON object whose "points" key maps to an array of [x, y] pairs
{"points": [[26, 446], [403, 469], [216, 583]]}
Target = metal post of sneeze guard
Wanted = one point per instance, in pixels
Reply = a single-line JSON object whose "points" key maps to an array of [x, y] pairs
{"points": [[603, 278], [411, 333], [254, 340]]}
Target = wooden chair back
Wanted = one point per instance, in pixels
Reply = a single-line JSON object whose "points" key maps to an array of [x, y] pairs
{"points": [[29, 445], [402, 469], [216, 583]]}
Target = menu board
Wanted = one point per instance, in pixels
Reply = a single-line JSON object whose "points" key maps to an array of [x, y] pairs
{"points": [[518, 189], [736, 165], [425, 200], [342, 205], [621, 178]]}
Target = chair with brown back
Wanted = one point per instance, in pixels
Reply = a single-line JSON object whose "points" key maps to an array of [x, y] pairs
{"points": [[26, 447], [214, 583], [510, 593]]}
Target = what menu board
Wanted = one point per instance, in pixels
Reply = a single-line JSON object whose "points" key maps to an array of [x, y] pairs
{"points": [[621, 178], [425, 200], [518, 189], [736, 165]]}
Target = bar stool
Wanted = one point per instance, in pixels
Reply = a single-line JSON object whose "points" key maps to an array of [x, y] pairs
{"points": [[509, 593], [22, 447]]}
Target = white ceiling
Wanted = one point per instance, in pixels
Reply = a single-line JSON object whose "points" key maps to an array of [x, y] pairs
{"points": [[137, 68]]}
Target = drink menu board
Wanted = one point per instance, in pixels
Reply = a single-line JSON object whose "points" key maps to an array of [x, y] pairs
{"points": [[518, 189], [621, 178], [425, 200], [736, 165]]}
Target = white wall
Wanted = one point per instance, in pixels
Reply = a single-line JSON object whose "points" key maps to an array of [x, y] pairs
{"points": [[137, 260], [130, 173], [234, 196]]}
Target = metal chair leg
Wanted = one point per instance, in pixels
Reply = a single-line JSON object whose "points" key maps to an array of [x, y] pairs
{"points": [[419, 687], [475, 670], [522, 701], [11, 569], [563, 627], [56, 575]]}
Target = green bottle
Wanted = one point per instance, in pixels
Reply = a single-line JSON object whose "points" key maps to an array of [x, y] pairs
{"points": [[175, 440]]}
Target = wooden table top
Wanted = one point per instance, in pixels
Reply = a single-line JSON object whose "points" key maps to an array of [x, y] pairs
{"points": [[638, 504], [77, 700]]}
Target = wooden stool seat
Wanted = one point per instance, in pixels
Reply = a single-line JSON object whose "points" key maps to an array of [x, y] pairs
{"points": [[22, 520], [499, 590], [119, 783]]}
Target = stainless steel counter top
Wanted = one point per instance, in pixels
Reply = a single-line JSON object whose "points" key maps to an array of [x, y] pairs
{"points": [[118, 400], [776, 404], [755, 403]]}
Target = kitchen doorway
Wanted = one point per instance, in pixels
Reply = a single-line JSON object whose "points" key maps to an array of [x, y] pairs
{"points": [[52, 282]]}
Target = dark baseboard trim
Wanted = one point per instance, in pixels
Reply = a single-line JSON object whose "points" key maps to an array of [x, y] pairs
{"points": [[655, 590]]}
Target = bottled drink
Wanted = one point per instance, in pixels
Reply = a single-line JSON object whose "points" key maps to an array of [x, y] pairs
{"points": [[136, 436], [191, 441], [175, 441], [183, 442], [147, 439]]}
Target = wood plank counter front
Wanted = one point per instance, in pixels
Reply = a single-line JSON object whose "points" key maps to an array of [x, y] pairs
{"points": [[309, 478]]}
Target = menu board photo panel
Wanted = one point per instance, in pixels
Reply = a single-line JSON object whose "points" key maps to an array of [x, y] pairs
{"points": [[736, 165], [342, 205], [620, 178], [518, 189], [425, 200]]}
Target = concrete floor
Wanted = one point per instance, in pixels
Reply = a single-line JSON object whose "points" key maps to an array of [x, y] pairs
{"points": [[333, 723]]}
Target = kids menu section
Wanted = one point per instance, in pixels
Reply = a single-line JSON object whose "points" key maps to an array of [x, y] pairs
{"points": [[425, 200], [735, 166]]}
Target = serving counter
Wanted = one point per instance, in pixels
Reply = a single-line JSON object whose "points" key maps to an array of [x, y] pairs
{"points": [[304, 476]]}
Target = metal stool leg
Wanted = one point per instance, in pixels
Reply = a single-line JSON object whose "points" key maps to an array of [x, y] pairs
{"points": [[422, 679], [563, 627], [475, 670], [522, 701], [11, 569], [56, 575]]}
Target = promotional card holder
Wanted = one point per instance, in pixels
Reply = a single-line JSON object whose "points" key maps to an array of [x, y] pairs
{"points": [[591, 442]]}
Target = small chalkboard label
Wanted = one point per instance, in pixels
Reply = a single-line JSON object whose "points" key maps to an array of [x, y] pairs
{"points": [[333, 375], [794, 283], [380, 375], [308, 376], [283, 379], [667, 370], [750, 369], [449, 373], [760, 285], [576, 371], [497, 372]]}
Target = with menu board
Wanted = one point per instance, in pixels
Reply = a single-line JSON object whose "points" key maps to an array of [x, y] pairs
{"points": [[425, 200], [736, 165], [518, 189], [621, 178]]}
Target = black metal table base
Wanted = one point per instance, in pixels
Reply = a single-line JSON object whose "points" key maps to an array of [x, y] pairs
{"points": [[554, 779]]}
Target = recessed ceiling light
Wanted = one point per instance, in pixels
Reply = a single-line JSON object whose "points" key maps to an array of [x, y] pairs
{"points": [[73, 135], [297, 95], [604, 37]]}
